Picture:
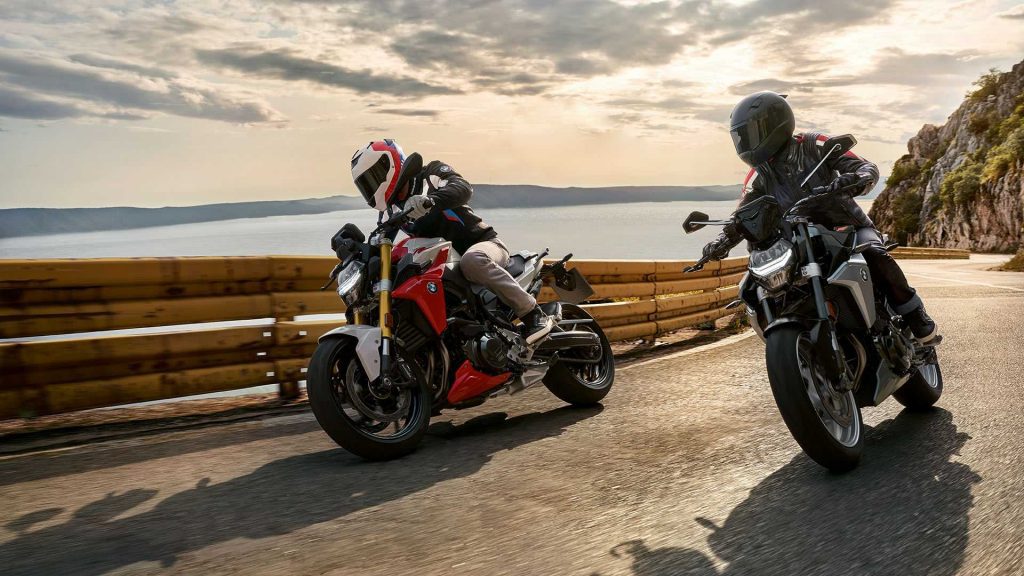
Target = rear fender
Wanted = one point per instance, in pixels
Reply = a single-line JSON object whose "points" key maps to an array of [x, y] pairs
{"points": [[367, 342]]}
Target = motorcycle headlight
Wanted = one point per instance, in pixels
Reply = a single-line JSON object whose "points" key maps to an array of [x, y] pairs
{"points": [[350, 282], [773, 268]]}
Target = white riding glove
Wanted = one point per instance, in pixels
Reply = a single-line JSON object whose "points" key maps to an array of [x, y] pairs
{"points": [[419, 206]]}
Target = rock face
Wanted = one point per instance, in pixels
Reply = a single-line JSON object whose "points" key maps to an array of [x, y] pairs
{"points": [[962, 184]]}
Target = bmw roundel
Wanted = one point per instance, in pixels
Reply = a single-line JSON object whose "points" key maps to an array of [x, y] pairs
{"points": [[432, 287]]}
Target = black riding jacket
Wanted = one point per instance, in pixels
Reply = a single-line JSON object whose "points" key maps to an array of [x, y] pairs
{"points": [[451, 217], [781, 177]]}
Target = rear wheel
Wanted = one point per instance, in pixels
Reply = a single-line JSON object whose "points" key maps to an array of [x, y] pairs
{"points": [[582, 376], [824, 421], [369, 419], [924, 388]]}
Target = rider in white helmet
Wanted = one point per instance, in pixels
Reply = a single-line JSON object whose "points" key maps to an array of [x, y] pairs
{"points": [[386, 180]]}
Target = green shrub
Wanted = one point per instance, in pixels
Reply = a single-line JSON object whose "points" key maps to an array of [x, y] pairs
{"points": [[1000, 158], [961, 186], [1011, 123], [906, 215], [979, 124], [1016, 264], [987, 85], [904, 169], [940, 151]]}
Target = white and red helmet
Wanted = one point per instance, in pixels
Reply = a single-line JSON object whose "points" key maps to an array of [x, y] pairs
{"points": [[375, 171]]}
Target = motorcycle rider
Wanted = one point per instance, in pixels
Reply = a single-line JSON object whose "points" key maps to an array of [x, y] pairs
{"points": [[377, 171], [762, 126]]}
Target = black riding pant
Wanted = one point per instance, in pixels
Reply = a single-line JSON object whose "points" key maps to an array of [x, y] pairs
{"points": [[886, 273]]}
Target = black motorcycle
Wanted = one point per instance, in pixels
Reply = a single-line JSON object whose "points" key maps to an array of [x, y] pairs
{"points": [[833, 344]]}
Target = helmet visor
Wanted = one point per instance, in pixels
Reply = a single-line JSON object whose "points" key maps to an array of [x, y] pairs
{"points": [[369, 181], [748, 135]]}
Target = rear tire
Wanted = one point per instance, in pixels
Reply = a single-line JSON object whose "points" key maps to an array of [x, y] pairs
{"points": [[327, 365], [790, 378], [582, 384], [924, 388]]}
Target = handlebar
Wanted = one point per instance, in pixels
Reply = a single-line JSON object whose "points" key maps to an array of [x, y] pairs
{"points": [[697, 266], [816, 193], [819, 192], [399, 219], [389, 224]]}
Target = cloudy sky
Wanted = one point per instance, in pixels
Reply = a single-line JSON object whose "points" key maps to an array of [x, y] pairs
{"points": [[176, 102]]}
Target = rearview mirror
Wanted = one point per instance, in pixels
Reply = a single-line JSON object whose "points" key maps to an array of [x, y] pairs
{"points": [[690, 225], [410, 167], [846, 142]]}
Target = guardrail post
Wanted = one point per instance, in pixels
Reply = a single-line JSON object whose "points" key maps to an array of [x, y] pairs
{"points": [[288, 383]]}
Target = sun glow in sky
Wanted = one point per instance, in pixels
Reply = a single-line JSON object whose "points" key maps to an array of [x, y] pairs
{"points": [[177, 102]]}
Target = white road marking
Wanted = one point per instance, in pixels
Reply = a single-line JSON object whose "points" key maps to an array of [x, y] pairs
{"points": [[724, 342], [965, 282]]}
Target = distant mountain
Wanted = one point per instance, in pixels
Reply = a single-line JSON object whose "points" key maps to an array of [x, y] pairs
{"points": [[37, 221]]}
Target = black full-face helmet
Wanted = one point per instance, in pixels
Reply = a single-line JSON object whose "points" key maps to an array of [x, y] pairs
{"points": [[761, 125]]}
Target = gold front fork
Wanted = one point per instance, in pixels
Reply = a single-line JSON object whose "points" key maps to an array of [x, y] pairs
{"points": [[385, 287], [385, 309]]}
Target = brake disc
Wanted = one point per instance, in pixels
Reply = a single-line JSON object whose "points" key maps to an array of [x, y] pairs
{"points": [[388, 405]]}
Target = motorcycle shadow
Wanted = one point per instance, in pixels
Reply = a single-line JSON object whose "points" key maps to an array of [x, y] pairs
{"points": [[278, 498], [903, 511]]}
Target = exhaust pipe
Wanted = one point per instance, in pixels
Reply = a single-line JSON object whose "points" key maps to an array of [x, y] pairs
{"points": [[557, 341]]}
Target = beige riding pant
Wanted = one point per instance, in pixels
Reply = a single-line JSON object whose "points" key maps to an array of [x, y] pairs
{"points": [[484, 264]]}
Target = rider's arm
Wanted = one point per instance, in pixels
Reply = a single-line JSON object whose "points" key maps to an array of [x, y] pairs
{"points": [[850, 163], [753, 188], [729, 237], [446, 187]]}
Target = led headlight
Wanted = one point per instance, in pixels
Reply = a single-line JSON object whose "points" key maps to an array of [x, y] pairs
{"points": [[773, 268], [350, 282]]}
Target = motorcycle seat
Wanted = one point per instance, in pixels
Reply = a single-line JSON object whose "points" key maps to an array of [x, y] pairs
{"points": [[516, 265]]}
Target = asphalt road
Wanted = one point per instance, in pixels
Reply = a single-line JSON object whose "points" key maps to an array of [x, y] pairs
{"points": [[687, 469]]}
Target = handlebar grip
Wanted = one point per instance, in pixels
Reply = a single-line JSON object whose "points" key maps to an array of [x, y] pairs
{"points": [[697, 266]]}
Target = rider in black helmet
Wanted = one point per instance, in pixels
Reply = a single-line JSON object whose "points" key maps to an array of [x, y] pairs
{"points": [[762, 127]]}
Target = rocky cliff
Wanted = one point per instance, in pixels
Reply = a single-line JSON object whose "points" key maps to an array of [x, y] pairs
{"points": [[962, 184]]}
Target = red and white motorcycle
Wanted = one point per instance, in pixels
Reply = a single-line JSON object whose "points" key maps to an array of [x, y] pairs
{"points": [[420, 338]]}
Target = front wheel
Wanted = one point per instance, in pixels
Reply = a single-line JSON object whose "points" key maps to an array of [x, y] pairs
{"points": [[825, 422], [373, 421], [924, 388], [582, 376]]}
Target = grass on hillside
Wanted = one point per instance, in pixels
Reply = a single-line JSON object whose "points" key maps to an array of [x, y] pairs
{"points": [[1016, 264]]}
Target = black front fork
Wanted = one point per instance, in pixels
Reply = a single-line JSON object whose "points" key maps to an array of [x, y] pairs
{"points": [[823, 332]]}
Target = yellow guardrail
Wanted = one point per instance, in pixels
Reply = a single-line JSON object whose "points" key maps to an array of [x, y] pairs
{"points": [[633, 299], [911, 253]]}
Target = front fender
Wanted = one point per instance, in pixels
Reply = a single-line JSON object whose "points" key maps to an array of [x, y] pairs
{"points": [[784, 321], [367, 340]]}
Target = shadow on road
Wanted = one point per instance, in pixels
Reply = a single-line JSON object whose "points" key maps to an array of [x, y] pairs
{"points": [[35, 468], [904, 511], [277, 498]]}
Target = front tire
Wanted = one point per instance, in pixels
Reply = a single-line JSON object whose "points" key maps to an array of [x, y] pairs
{"points": [[334, 373], [826, 424], [924, 388], [577, 383]]}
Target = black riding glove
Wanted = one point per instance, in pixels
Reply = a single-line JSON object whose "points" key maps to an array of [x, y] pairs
{"points": [[719, 248], [844, 184]]}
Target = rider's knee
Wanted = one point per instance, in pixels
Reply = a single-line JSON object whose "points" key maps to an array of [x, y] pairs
{"points": [[474, 263]]}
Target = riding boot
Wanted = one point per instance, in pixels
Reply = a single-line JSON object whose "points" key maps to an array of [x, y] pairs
{"points": [[536, 325], [920, 323]]}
